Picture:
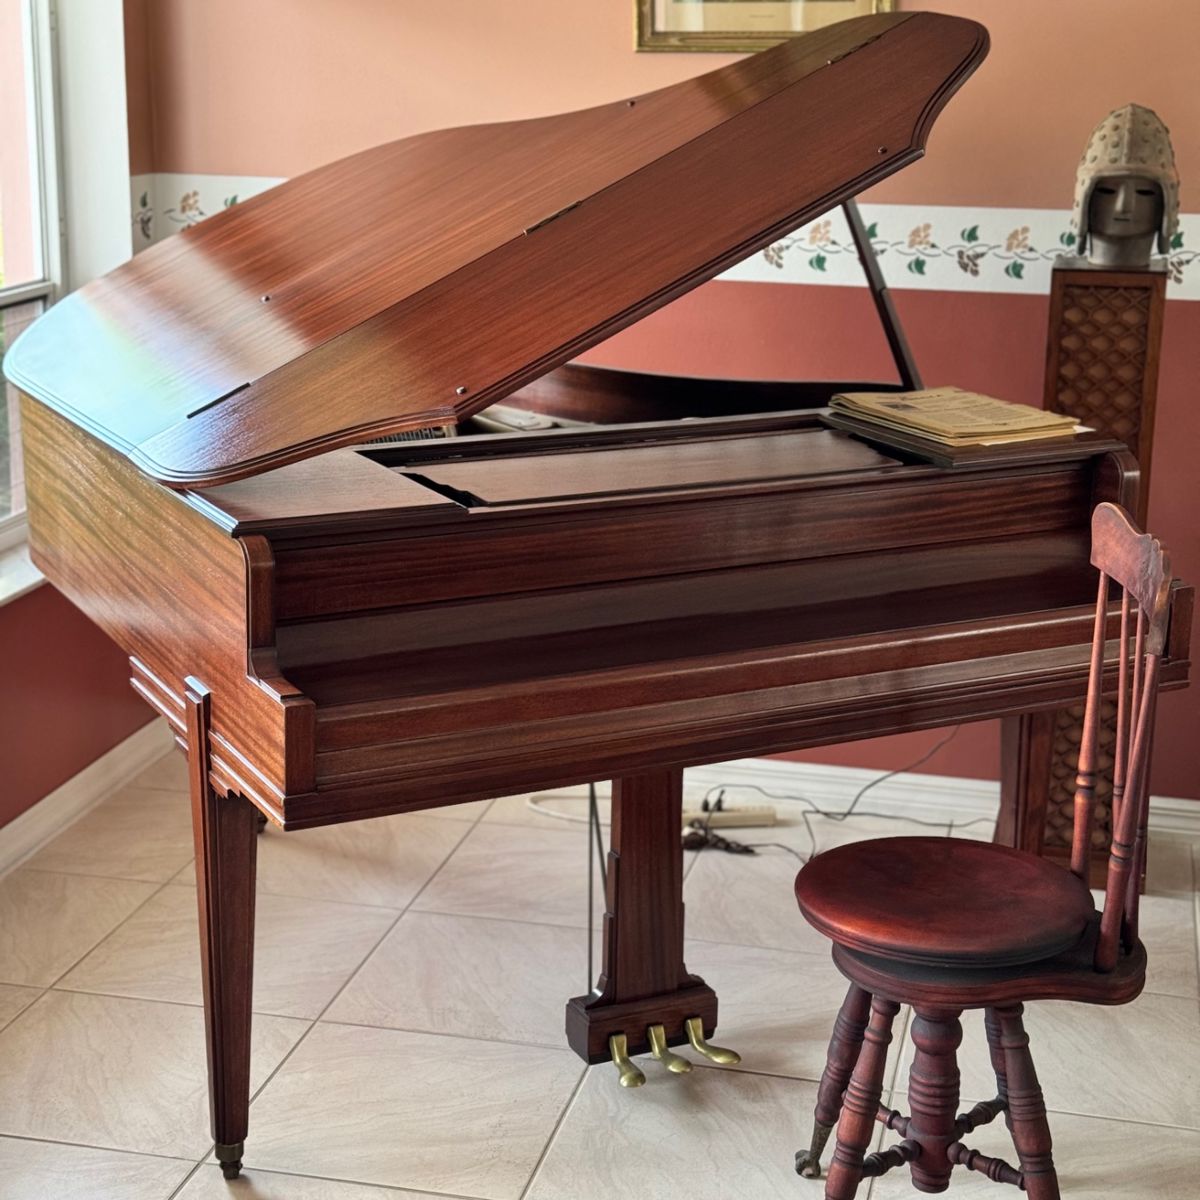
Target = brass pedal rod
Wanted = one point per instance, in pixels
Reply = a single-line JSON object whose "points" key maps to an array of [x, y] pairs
{"points": [[657, 1037], [716, 1054], [630, 1076]]}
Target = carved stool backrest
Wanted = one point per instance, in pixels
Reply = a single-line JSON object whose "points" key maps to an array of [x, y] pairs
{"points": [[1138, 564]]}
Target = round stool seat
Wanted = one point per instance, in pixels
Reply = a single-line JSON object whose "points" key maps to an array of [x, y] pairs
{"points": [[944, 901]]}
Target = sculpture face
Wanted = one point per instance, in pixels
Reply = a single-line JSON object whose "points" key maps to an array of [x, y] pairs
{"points": [[1124, 217], [1126, 190]]}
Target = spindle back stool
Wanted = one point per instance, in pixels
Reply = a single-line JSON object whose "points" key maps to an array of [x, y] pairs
{"points": [[945, 924]]}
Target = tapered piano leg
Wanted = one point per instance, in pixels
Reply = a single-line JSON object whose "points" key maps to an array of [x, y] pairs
{"points": [[643, 982], [225, 830]]}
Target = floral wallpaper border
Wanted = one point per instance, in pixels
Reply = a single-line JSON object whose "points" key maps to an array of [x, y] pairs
{"points": [[929, 247]]}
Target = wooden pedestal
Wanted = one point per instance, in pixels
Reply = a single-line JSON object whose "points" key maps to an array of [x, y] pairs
{"points": [[1103, 350]]}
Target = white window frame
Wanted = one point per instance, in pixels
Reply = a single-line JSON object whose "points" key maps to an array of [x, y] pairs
{"points": [[44, 117]]}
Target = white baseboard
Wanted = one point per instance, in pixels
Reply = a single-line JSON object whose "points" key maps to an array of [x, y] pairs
{"points": [[30, 831], [834, 787]]}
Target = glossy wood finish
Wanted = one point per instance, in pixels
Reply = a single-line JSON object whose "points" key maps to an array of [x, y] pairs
{"points": [[860, 1105], [449, 621], [1013, 907], [644, 980], [944, 925], [254, 339], [226, 833]]}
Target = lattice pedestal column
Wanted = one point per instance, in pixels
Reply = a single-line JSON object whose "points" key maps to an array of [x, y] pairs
{"points": [[1102, 368]]}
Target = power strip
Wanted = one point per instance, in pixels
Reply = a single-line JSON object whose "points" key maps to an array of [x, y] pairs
{"points": [[732, 818]]}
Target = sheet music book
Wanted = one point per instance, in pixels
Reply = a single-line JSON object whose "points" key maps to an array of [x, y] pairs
{"points": [[951, 416]]}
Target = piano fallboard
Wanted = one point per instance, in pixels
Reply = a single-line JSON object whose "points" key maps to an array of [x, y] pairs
{"points": [[433, 623]]}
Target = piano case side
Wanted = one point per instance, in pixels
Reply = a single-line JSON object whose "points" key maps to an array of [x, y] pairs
{"points": [[177, 595]]}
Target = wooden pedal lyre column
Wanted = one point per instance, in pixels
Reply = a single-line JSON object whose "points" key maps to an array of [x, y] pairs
{"points": [[645, 999], [1102, 358]]}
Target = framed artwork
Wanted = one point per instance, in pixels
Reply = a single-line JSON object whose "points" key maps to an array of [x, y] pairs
{"points": [[739, 25]]}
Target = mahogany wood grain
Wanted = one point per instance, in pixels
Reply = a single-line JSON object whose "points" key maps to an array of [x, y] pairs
{"points": [[649, 200], [933, 1086], [171, 589], [1026, 1108], [1023, 909], [226, 834], [487, 553], [860, 1106], [607, 395], [947, 924], [643, 968]]}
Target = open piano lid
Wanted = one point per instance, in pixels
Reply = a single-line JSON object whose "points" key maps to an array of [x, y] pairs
{"points": [[416, 283]]}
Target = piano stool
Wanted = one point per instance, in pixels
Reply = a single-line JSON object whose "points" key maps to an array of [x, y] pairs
{"points": [[946, 925]]}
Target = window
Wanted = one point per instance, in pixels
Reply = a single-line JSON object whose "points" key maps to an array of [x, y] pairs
{"points": [[30, 238]]}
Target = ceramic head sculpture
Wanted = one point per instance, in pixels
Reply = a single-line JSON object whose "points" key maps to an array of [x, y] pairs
{"points": [[1126, 190]]}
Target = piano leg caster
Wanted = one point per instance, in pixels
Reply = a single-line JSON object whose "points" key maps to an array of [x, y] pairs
{"points": [[657, 1037], [230, 1158], [715, 1054], [808, 1162], [630, 1076]]}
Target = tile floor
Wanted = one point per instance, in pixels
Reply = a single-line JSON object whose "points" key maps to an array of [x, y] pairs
{"points": [[409, 980]]}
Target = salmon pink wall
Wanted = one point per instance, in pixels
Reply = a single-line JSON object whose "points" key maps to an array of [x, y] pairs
{"points": [[274, 88], [65, 697]]}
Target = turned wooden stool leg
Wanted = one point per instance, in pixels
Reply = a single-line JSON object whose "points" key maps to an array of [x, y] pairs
{"points": [[991, 1025], [861, 1103], [844, 1046], [933, 1096], [1030, 1129]]}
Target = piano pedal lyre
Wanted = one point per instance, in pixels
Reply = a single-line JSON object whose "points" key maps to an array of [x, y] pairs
{"points": [[657, 1036], [715, 1054], [630, 1076]]}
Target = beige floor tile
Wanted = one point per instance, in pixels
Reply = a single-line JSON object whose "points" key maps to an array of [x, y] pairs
{"points": [[304, 951], [168, 772], [1095, 1158], [570, 802], [15, 1000], [48, 921], [208, 1184], [748, 900], [1138, 1062], [412, 1110], [135, 834], [41, 1170], [777, 1007], [117, 1073], [471, 811], [1168, 864], [498, 980], [711, 1135], [382, 862], [517, 874], [1167, 926]]}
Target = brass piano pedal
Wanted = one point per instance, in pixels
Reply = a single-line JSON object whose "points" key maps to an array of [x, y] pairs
{"points": [[630, 1076], [716, 1054], [657, 1036]]}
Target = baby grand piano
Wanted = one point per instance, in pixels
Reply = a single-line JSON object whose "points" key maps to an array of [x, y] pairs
{"points": [[339, 627]]}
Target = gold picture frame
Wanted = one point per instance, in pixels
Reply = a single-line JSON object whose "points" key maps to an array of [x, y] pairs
{"points": [[767, 22]]}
